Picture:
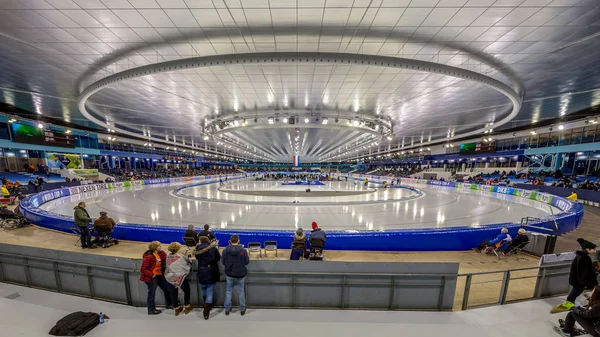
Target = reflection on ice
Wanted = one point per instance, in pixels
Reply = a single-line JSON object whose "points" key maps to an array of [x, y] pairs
{"points": [[440, 207]]}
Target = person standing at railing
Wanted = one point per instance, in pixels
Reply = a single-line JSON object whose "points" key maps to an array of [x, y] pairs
{"points": [[152, 273], [235, 260], [582, 275], [208, 257]]}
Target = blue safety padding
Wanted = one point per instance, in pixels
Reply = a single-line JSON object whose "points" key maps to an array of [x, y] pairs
{"points": [[430, 239]]}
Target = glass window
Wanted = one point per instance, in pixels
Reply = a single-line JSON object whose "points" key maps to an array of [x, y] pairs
{"points": [[4, 133], [588, 134], [543, 140], [576, 136], [564, 138]]}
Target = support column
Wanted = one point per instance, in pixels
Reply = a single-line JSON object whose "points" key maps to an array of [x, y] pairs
{"points": [[558, 161], [133, 163]]}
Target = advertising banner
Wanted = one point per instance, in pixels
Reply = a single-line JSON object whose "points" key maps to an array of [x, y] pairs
{"points": [[84, 172], [64, 160]]}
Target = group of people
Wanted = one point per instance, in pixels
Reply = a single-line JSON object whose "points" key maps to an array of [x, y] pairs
{"points": [[582, 276], [138, 174], [171, 272], [504, 242], [299, 244], [102, 225]]}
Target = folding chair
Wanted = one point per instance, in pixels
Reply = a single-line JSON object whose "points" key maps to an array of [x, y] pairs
{"points": [[497, 251], [255, 247], [517, 250], [77, 232], [270, 246], [190, 241]]}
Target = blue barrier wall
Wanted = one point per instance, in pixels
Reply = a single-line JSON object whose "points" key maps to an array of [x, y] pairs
{"points": [[431, 239]]}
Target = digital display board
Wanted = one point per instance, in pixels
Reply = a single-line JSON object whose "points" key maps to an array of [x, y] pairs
{"points": [[57, 138], [31, 134], [479, 147]]}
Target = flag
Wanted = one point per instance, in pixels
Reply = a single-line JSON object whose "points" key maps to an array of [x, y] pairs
{"points": [[296, 161]]}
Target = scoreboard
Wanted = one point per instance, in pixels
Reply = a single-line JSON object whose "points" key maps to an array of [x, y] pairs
{"points": [[57, 138], [476, 148]]}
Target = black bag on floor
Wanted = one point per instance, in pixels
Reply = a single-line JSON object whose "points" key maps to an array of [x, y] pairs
{"points": [[75, 324]]}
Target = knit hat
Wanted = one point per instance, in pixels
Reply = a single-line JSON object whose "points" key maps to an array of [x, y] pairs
{"points": [[586, 244], [314, 225]]}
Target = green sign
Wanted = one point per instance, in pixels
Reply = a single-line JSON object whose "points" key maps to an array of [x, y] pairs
{"points": [[85, 171]]}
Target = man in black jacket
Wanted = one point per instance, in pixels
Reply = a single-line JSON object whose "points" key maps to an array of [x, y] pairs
{"points": [[206, 232], [191, 233], [235, 260]]}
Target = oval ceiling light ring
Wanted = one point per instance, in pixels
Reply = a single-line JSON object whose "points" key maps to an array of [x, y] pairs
{"points": [[196, 62]]}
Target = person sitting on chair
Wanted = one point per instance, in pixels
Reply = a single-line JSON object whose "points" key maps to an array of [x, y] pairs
{"points": [[299, 245], [501, 241], [206, 232], [5, 192], [7, 213], [191, 233], [104, 223], [104, 226], [317, 233], [587, 317], [519, 240]]}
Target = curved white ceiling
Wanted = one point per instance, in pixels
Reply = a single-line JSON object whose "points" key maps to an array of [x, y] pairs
{"points": [[546, 50]]}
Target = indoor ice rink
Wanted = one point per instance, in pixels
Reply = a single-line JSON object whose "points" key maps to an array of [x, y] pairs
{"points": [[247, 204], [313, 167]]}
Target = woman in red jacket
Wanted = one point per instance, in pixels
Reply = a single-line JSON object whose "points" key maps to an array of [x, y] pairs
{"points": [[152, 273]]}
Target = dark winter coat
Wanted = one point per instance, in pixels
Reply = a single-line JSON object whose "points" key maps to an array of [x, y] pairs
{"points": [[208, 257], [148, 263], [318, 233], [235, 260], [591, 314], [582, 271], [81, 217], [299, 242], [207, 233], [191, 234]]}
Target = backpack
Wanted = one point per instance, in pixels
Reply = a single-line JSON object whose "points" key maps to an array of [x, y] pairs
{"points": [[75, 324]]}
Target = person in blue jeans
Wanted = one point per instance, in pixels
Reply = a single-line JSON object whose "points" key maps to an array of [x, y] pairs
{"points": [[235, 260], [207, 255]]}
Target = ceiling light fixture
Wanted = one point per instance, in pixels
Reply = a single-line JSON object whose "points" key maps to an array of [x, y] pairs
{"points": [[40, 125], [285, 120], [561, 127], [306, 120], [325, 120], [533, 133], [271, 120], [68, 131]]}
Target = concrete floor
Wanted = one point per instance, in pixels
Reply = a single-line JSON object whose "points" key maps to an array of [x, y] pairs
{"points": [[439, 207]]}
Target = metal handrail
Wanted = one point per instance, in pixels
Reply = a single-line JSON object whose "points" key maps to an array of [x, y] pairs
{"points": [[516, 269], [506, 278], [68, 262]]}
